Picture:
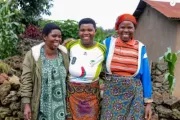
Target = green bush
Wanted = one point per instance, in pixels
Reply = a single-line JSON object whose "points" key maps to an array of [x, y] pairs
{"points": [[8, 28], [70, 29], [100, 35]]}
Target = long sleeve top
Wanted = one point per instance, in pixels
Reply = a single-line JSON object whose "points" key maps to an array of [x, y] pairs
{"points": [[143, 69]]}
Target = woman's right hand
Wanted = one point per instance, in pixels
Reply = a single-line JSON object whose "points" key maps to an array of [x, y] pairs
{"points": [[27, 112]]}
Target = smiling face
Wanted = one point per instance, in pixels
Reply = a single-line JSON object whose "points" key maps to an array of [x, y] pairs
{"points": [[53, 39], [126, 30], [86, 34]]}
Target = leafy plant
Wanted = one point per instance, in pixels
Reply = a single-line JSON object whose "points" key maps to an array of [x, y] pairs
{"points": [[8, 28], [110, 32], [100, 35], [32, 32], [171, 59], [4, 68], [69, 27]]}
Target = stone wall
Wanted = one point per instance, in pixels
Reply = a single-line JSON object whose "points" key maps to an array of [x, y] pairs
{"points": [[165, 106], [26, 44], [16, 61], [10, 105]]}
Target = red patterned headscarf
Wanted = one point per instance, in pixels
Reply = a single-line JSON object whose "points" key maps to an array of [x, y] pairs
{"points": [[125, 17]]}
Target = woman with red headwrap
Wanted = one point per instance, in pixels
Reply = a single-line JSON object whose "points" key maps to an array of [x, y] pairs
{"points": [[127, 83]]}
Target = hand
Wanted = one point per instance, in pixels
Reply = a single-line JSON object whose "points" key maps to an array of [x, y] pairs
{"points": [[66, 41], [5, 76], [148, 111], [102, 86], [27, 112], [101, 90], [102, 75]]}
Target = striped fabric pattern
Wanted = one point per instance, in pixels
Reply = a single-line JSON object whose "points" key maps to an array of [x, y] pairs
{"points": [[125, 58]]}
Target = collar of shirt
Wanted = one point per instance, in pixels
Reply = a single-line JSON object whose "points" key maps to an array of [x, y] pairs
{"points": [[130, 42]]}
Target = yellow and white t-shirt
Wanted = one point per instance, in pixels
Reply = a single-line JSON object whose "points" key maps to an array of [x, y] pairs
{"points": [[85, 63]]}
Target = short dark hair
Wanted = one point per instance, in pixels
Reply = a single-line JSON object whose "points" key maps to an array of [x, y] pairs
{"points": [[87, 21], [49, 27]]}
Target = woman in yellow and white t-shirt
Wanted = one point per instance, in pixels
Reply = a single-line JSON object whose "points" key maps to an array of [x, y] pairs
{"points": [[86, 57]]}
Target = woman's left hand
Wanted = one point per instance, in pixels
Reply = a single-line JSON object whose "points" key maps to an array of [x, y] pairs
{"points": [[148, 111]]}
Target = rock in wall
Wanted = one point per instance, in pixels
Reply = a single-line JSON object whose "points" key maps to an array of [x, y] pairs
{"points": [[165, 106]]}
